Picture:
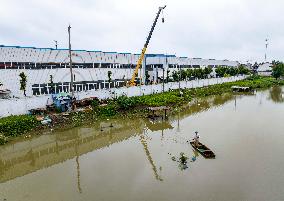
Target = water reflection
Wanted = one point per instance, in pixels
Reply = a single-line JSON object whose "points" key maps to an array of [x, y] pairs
{"points": [[204, 104], [132, 159], [195, 155], [150, 159], [29, 155], [24, 157], [78, 175], [276, 94]]}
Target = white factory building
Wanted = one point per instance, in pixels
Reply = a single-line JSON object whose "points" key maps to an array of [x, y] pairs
{"points": [[90, 68]]}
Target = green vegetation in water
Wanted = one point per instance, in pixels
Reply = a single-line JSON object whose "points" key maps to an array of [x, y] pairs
{"points": [[130, 106]]}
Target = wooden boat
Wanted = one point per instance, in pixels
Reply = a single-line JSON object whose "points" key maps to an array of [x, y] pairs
{"points": [[203, 150]]}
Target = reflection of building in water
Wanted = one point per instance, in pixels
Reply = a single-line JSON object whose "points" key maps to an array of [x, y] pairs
{"points": [[28, 156], [25, 157]]}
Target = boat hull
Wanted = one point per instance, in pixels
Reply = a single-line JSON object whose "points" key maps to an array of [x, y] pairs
{"points": [[203, 150]]}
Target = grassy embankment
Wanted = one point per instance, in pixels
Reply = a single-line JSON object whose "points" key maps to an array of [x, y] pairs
{"points": [[124, 107]]}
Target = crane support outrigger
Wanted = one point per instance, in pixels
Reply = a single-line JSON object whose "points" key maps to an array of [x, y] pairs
{"points": [[141, 58]]}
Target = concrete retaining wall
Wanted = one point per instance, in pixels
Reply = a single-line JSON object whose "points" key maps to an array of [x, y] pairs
{"points": [[17, 106]]}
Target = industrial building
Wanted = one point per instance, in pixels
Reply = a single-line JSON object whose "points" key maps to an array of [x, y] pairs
{"points": [[91, 69]]}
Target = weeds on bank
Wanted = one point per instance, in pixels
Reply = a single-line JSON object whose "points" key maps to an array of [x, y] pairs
{"points": [[16, 125]]}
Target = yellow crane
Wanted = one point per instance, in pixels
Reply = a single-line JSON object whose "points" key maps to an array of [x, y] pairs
{"points": [[141, 58]]}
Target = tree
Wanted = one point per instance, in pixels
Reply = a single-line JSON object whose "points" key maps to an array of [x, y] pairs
{"points": [[23, 82], [243, 70], [51, 84], [198, 73], [275, 62], [232, 71], [255, 66], [109, 73], [175, 76], [189, 73], [183, 74], [1, 84], [221, 71], [278, 70], [207, 71], [147, 76], [168, 75]]}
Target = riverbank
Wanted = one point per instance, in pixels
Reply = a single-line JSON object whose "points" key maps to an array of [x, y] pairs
{"points": [[122, 107]]}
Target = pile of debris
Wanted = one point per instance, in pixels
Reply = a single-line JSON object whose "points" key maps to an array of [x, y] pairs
{"points": [[60, 106]]}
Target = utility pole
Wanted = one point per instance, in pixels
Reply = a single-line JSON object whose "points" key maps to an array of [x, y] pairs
{"points": [[163, 79], [166, 65], [179, 77], [70, 56], [266, 46], [55, 44]]}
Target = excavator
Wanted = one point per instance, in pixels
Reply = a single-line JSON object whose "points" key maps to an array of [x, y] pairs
{"points": [[132, 82]]}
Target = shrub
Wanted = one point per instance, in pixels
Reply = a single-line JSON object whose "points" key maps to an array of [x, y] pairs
{"points": [[125, 102], [162, 99], [17, 125], [95, 103], [254, 77], [108, 110]]}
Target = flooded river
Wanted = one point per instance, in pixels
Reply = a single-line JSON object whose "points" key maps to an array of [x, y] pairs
{"points": [[132, 159]]}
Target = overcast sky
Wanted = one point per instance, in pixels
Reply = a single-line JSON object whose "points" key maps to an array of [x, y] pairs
{"points": [[220, 29]]}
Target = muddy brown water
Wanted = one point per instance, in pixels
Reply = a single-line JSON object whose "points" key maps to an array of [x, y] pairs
{"points": [[132, 160]]}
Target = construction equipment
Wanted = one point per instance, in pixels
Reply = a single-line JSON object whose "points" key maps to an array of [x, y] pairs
{"points": [[132, 82]]}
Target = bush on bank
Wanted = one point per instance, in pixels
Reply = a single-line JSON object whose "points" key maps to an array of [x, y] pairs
{"points": [[175, 98], [17, 125]]}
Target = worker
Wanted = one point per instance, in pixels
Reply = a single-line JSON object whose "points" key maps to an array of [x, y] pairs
{"points": [[196, 139]]}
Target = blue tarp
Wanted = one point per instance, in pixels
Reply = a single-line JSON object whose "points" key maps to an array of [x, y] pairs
{"points": [[62, 101]]}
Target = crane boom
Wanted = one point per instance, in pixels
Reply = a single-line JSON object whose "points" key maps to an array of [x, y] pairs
{"points": [[141, 58]]}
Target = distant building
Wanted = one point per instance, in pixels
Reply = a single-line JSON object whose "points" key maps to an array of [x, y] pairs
{"points": [[265, 69]]}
